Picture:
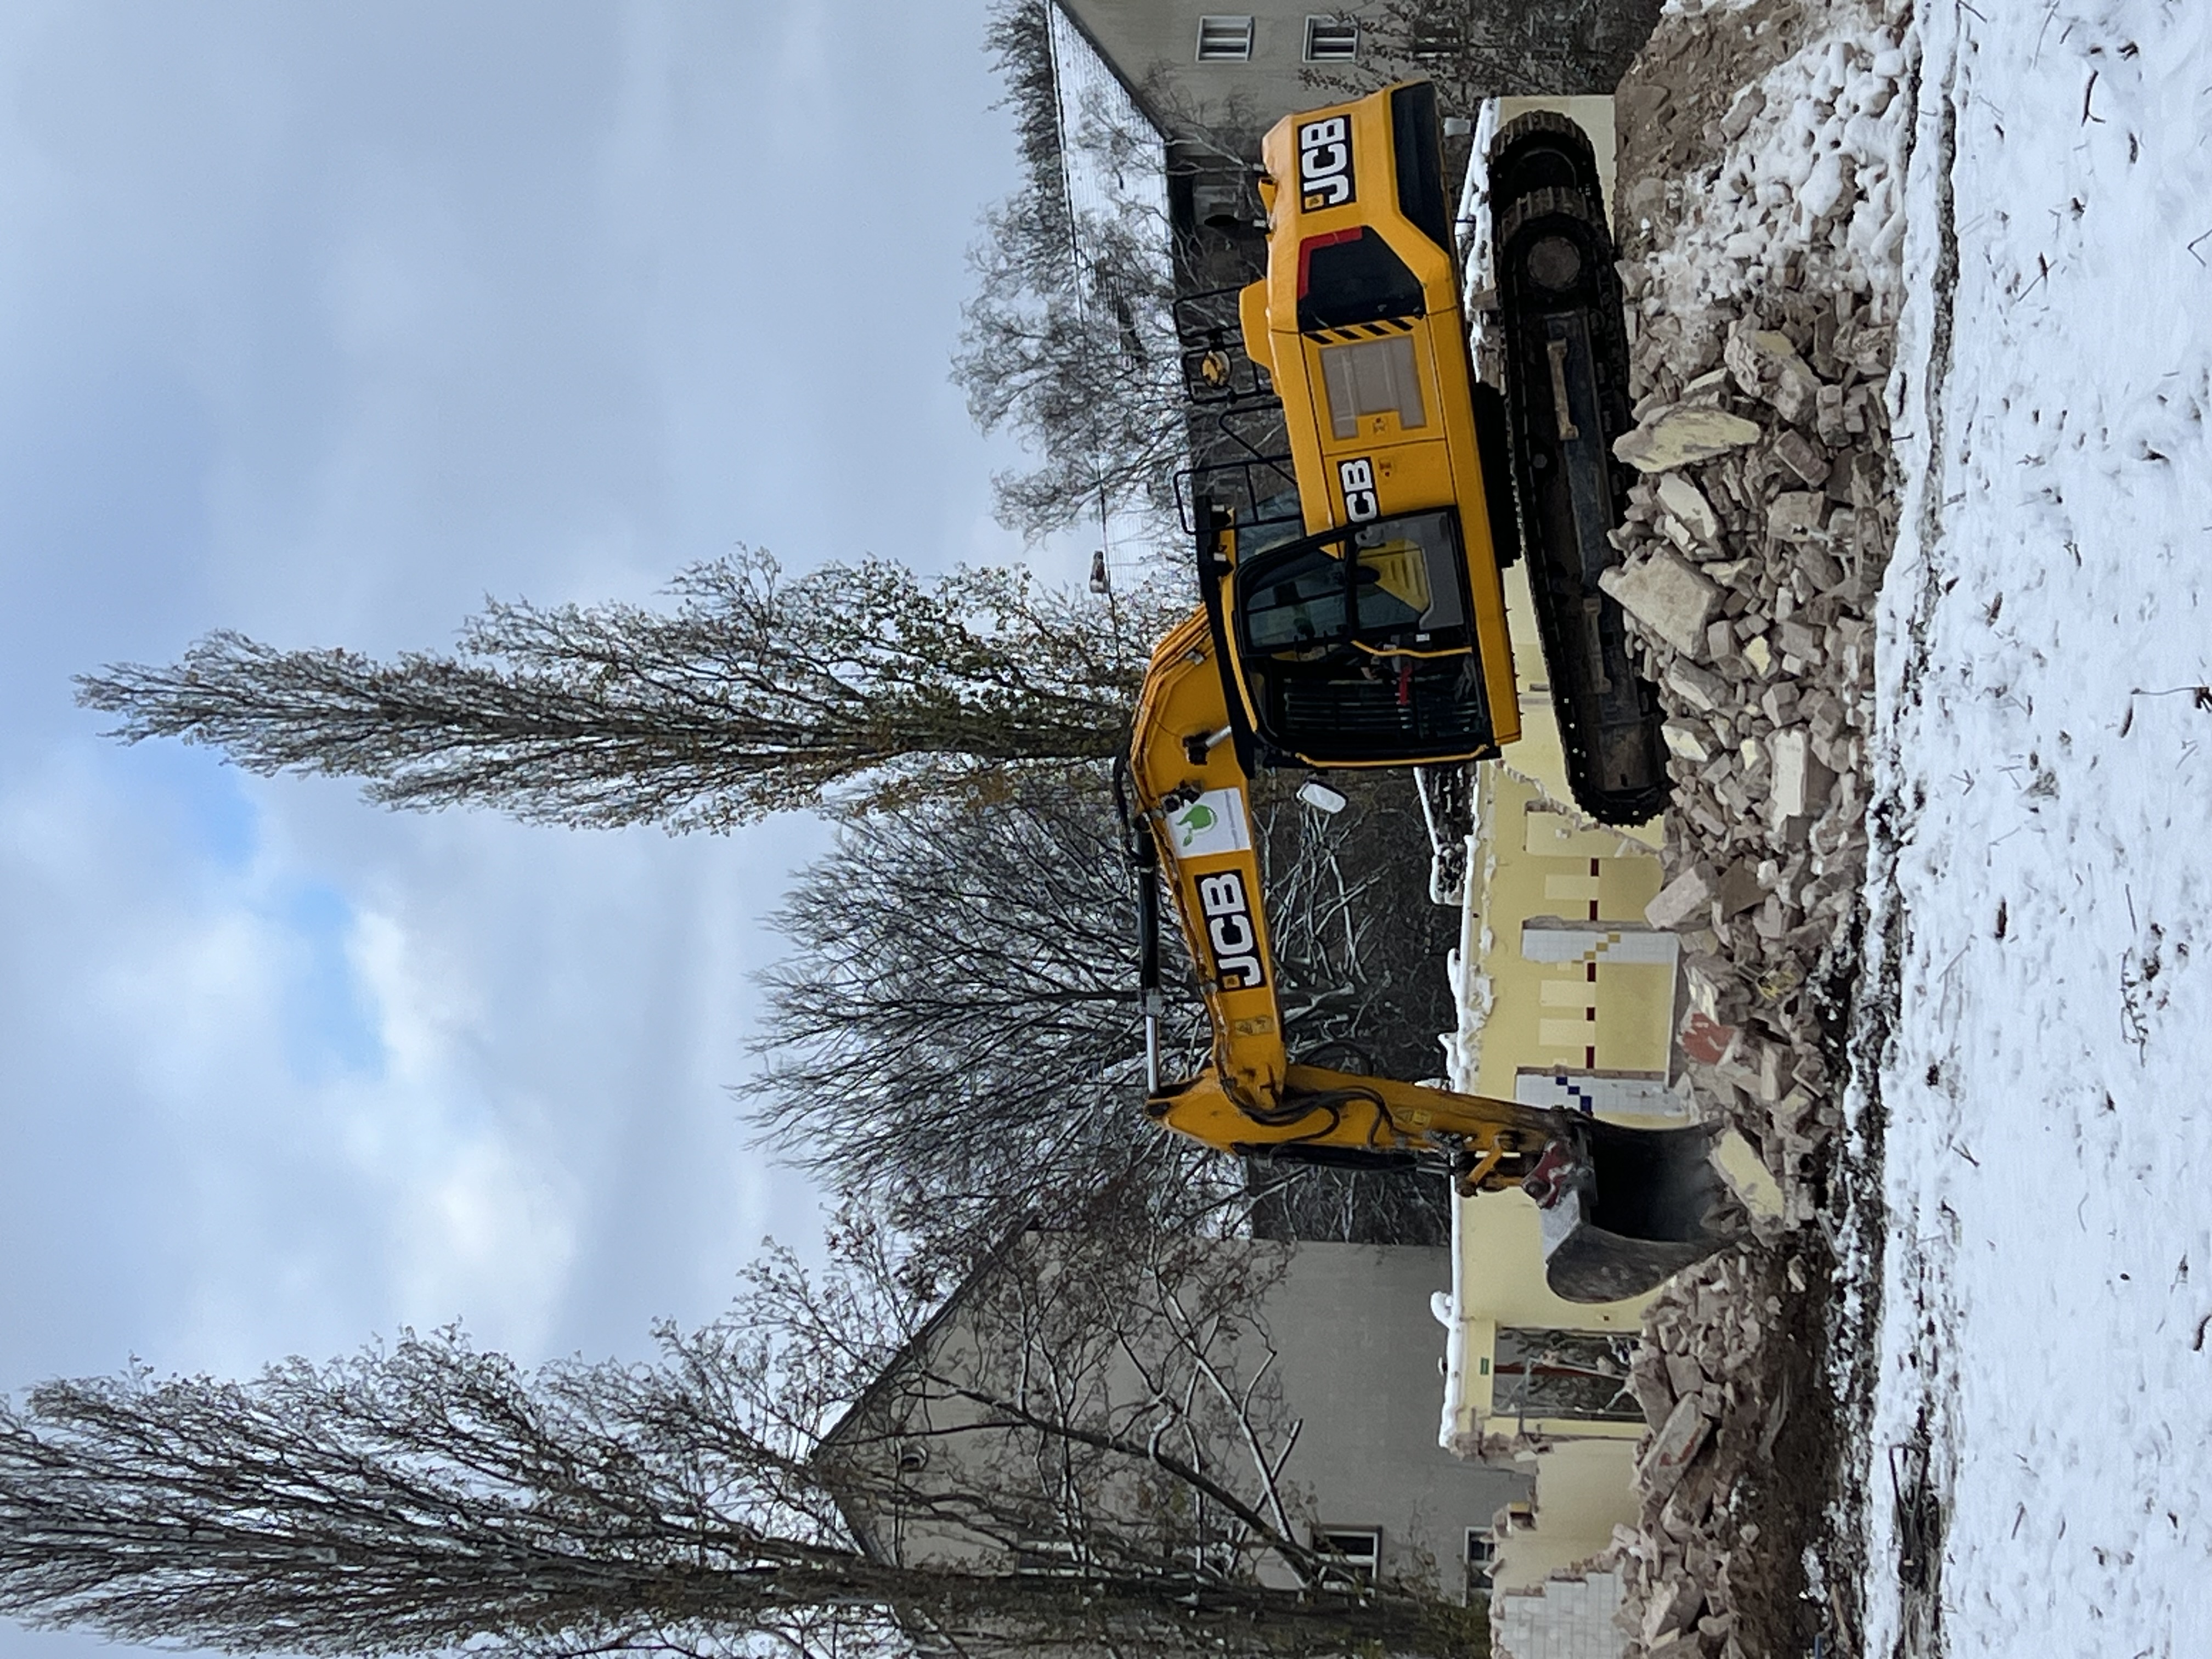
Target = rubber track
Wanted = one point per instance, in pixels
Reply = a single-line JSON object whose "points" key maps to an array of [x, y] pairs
{"points": [[1546, 164]]}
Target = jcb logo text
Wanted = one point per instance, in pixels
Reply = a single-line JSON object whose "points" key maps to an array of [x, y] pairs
{"points": [[1325, 162], [1357, 478], [1230, 933]]}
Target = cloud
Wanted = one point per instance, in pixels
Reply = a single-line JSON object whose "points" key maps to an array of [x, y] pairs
{"points": [[324, 324]]}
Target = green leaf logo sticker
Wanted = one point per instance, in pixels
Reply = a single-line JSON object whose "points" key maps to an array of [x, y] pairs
{"points": [[1214, 822]]}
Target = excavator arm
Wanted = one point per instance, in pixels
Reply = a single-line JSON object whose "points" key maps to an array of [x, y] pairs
{"points": [[1622, 1208]]}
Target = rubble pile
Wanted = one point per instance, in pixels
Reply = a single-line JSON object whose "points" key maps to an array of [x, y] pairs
{"points": [[1700, 1379], [1753, 549]]}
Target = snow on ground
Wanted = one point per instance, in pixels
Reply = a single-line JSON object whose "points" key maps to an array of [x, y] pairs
{"points": [[2045, 786]]}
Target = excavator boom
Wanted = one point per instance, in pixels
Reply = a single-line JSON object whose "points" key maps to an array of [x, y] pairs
{"points": [[1622, 1207]]}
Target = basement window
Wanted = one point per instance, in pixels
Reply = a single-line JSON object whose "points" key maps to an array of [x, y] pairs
{"points": [[1481, 1562], [1358, 1549], [1331, 39], [1224, 39]]}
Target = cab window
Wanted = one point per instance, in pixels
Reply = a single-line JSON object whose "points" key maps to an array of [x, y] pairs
{"points": [[1394, 584], [1347, 277], [1297, 599], [1355, 643]]}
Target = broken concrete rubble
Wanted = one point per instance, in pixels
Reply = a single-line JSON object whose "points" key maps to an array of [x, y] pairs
{"points": [[1679, 1440], [1760, 641], [1760, 341], [1682, 435], [1668, 595], [1796, 516], [1680, 900], [1765, 364], [1689, 505]]}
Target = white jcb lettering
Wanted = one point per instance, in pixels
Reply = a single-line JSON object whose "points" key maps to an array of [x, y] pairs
{"points": [[1325, 162], [1246, 969], [1221, 896], [1357, 478], [1231, 936], [1230, 933]]}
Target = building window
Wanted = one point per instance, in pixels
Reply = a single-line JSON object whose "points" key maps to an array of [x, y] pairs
{"points": [[1224, 39], [1561, 1374], [1358, 1549], [1437, 37], [1054, 1558], [1481, 1562], [1331, 39]]}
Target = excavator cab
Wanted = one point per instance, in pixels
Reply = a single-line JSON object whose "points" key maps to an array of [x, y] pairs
{"points": [[1355, 647], [1359, 325]]}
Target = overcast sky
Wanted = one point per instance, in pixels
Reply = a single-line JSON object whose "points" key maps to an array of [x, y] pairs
{"points": [[324, 322]]}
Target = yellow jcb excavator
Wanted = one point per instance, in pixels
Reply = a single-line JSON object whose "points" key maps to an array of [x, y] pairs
{"points": [[1377, 637]]}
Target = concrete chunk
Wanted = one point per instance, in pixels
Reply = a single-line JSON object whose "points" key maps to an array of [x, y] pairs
{"points": [[1686, 743], [1805, 462], [1680, 900], [1670, 598], [1647, 1381], [1766, 365], [1684, 1374], [1796, 515], [1801, 642], [1742, 113], [1681, 435], [1679, 1439], [1675, 1608], [1689, 504], [1701, 689], [1741, 1167], [1800, 782], [1738, 889]]}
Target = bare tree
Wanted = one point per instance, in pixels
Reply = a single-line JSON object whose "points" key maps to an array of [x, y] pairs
{"points": [[758, 692], [955, 1033], [1071, 339], [430, 1497]]}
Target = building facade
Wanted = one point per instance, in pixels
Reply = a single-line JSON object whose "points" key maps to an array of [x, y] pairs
{"points": [[1350, 1343]]}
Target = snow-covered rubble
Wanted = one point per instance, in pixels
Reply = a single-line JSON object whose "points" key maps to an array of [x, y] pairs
{"points": [[1751, 571], [1807, 192], [1942, 724]]}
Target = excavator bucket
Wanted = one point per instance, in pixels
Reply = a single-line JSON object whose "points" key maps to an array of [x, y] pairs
{"points": [[1624, 1209]]}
